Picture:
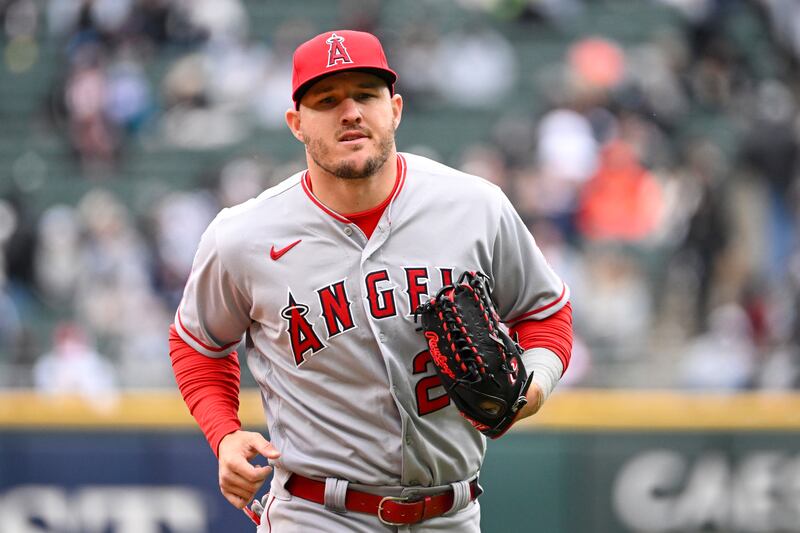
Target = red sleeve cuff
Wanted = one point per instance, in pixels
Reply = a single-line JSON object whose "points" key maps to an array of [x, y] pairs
{"points": [[553, 333]]}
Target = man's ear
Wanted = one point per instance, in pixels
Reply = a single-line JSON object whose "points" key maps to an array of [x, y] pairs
{"points": [[293, 121], [397, 109]]}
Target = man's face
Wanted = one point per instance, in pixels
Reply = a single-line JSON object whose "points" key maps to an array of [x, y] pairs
{"points": [[347, 122]]}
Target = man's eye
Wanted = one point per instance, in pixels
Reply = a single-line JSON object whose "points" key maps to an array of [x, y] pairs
{"points": [[365, 96]]}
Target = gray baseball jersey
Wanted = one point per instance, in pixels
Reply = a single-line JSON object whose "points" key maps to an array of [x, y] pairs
{"points": [[347, 383]]}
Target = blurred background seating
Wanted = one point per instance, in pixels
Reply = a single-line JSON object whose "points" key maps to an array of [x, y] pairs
{"points": [[651, 146]]}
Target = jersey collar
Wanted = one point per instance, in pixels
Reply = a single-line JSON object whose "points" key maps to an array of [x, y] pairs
{"points": [[305, 181]]}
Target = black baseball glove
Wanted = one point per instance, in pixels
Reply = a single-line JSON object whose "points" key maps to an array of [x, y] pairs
{"points": [[479, 364]]}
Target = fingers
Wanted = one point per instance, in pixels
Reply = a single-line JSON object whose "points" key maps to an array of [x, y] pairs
{"points": [[237, 483], [240, 488], [236, 500], [238, 468], [256, 444], [265, 448], [247, 443], [239, 480]]}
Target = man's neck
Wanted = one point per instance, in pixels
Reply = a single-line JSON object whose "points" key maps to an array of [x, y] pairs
{"points": [[348, 196]]}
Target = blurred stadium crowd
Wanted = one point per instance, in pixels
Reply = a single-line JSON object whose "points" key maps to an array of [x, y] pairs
{"points": [[652, 146]]}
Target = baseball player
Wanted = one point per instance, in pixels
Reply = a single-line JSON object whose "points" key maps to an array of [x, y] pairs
{"points": [[322, 275]]}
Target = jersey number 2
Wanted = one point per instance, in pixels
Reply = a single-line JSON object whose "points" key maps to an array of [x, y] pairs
{"points": [[426, 404]]}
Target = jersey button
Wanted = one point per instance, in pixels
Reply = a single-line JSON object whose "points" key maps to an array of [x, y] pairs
{"points": [[410, 441], [382, 337], [348, 230]]}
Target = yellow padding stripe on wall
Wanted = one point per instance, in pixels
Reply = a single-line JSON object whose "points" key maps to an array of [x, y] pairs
{"points": [[565, 410], [667, 410]]}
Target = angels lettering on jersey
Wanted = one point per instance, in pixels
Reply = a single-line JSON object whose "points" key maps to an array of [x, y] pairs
{"points": [[307, 337]]}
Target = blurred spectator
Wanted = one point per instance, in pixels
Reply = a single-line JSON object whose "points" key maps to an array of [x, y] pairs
{"points": [[715, 74], [413, 61], [233, 70], [91, 134], [708, 227], [208, 92], [221, 19], [141, 341], [115, 275], [780, 370], [193, 119], [656, 69], [10, 320], [616, 313], [781, 365], [128, 99], [176, 242], [16, 372], [269, 101], [784, 17], [567, 149], [597, 62], [58, 255], [487, 162], [460, 55], [19, 248], [271, 98], [773, 160], [240, 180], [569, 262], [74, 366], [62, 16], [185, 83], [362, 15], [725, 356], [622, 201], [566, 156]]}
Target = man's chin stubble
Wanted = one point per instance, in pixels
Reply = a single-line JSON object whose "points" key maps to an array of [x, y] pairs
{"points": [[349, 171]]}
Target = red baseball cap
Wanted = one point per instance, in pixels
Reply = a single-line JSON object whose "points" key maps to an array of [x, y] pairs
{"points": [[338, 51]]}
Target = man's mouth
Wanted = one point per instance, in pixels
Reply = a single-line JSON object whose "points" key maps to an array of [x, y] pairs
{"points": [[353, 136]]}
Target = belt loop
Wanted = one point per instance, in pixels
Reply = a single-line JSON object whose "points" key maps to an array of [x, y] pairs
{"points": [[461, 496], [335, 492]]}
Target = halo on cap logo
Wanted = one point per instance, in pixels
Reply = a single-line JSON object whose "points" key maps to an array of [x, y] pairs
{"points": [[337, 53]]}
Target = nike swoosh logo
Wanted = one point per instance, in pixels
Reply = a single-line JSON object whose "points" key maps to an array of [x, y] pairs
{"points": [[277, 254]]}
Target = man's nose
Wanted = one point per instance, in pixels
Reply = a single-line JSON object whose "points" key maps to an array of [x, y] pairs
{"points": [[350, 112]]}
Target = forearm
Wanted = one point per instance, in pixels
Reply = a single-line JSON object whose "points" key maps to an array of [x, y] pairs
{"points": [[547, 369], [548, 349], [210, 388]]}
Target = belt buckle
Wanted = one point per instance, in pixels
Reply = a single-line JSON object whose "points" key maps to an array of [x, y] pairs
{"points": [[401, 499]]}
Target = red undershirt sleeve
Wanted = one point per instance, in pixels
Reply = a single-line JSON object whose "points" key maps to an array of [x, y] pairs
{"points": [[209, 386], [553, 333]]}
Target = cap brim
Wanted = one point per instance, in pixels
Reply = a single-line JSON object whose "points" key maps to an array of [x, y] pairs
{"points": [[386, 75]]}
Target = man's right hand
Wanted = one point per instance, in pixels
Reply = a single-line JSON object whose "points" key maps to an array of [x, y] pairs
{"points": [[239, 480]]}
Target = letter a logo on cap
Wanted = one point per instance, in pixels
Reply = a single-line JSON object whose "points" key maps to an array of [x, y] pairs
{"points": [[337, 53]]}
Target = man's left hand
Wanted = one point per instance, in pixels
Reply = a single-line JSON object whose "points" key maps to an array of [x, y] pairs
{"points": [[534, 397]]}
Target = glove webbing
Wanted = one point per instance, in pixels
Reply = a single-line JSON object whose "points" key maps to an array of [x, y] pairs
{"points": [[481, 298], [463, 347], [459, 339]]}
